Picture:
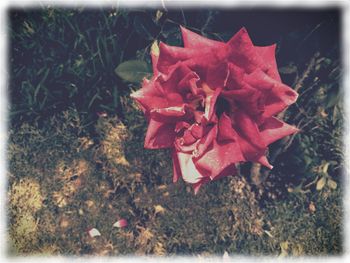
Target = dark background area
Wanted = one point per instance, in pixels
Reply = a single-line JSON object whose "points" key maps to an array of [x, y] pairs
{"points": [[67, 58]]}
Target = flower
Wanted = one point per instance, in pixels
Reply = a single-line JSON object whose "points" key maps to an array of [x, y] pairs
{"points": [[214, 104]]}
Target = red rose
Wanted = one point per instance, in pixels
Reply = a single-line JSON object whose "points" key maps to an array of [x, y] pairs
{"points": [[214, 104]]}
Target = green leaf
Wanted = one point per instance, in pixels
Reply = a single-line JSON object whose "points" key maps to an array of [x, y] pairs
{"points": [[133, 70]]}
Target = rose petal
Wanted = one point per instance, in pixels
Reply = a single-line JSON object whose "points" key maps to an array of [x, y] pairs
{"points": [[181, 125], [169, 114], [263, 160], [225, 130], [150, 96], [190, 174], [159, 135], [217, 75], [170, 55], [219, 159], [181, 146], [189, 83], [120, 223], [235, 77], [246, 98], [210, 100], [229, 171], [248, 136], [198, 185], [197, 131], [243, 52], [268, 55], [188, 138], [248, 129], [249, 150], [93, 232], [205, 142], [196, 59], [193, 40], [176, 167], [278, 96], [170, 82], [274, 129]]}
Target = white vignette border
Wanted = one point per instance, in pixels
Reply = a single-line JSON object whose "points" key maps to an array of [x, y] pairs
{"points": [[344, 5]]}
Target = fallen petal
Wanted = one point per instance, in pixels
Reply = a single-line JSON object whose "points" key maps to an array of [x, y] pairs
{"points": [[93, 232], [120, 223]]}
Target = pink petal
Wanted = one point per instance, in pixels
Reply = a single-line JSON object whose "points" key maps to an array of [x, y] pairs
{"points": [[217, 75], [225, 130], [249, 150], [189, 83], [187, 142], [176, 74], [278, 95], [179, 82], [274, 129], [235, 77], [181, 125], [205, 142], [171, 55], [159, 135], [185, 147], [229, 171], [150, 96], [248, 136], [243, 52], [198, 185], [248, 129], [168, 114], [188, 138], [263, 160], [210, 100], [197, 131], [193, 40], [120, 223], [190, 174], [176, 167], [268, 55], [220, 159], [93, 232], [195, 59], [247, 98]]}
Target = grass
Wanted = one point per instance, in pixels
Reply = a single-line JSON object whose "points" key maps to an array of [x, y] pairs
{"points": [[76, 157]]}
